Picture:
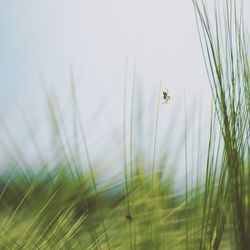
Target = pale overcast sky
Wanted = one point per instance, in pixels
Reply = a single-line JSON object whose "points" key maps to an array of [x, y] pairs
{"points": [[40, 41]]}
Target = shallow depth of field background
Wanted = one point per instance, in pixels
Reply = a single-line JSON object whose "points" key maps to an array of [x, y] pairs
{"points": [[105, 51], [44, 42]]}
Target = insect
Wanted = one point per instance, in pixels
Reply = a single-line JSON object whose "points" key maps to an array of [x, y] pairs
{"points": [[166, 96], [127, 215]]}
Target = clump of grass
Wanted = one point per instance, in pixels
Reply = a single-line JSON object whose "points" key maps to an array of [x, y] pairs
{"points": [[224, 47]]}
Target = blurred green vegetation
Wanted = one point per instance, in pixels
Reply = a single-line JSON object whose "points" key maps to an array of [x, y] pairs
{"points": [[68, 208]]}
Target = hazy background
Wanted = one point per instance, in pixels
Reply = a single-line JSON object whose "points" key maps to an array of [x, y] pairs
{"points": [[43, 42]]}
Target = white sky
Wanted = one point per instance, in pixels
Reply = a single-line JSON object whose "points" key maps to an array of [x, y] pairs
{"points": [[40, 41]]}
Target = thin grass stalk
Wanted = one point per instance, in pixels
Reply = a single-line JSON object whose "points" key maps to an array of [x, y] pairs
{"points": [[153, 165], [78, 164], [91, 170], [186, 178], [131, 151]]}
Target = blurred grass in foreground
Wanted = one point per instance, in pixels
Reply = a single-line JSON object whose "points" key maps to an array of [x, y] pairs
{"points": [[66, 208]]}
